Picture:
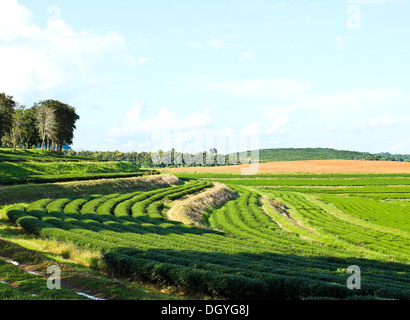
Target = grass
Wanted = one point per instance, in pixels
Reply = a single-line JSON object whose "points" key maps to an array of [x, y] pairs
{"points": [[40, 166], [37, 155], [96, 230], [252, 256], [81, 271], [39, 172], [28, 193]]}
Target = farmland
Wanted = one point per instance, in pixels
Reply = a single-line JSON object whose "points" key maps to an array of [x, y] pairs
{"points": [[312, 166], [274, 236], [40, 166]]}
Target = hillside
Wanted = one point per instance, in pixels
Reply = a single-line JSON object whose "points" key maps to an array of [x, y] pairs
{"points": [[205, 236], [298, 154], [39, 166], [38, 155], [144, 159]]}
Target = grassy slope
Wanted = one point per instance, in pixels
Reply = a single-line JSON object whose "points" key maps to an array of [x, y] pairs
{"points": [[79, 270], [78, 274], [23, 172], [37, 155], [39, 166], [28, 193], [224, 247], [64, 254], [20, 166]]}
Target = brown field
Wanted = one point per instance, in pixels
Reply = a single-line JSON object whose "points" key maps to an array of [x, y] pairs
{"points": [[312, 166]]}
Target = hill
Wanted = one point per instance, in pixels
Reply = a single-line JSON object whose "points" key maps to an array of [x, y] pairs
{"points": [[40, 166], [297, 154]]}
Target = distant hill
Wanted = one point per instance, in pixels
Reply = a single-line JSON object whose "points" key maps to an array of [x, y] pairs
{"points": [[295, 154], [144, 159]]}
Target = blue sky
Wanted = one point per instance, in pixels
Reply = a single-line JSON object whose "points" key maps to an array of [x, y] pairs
{"points": [[149, 75]]}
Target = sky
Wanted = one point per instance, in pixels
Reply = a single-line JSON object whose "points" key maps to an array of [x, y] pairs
{"points": [[232, 75]]}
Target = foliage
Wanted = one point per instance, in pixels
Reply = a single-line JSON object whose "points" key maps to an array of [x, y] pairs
{"points": [[46, 123], [7, 107], [49, 122], [246, 252], [40, 172]]}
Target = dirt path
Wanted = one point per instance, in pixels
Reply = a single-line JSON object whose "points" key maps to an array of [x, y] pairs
{"points": [[265, 209], [283, 212], [191, 209]]}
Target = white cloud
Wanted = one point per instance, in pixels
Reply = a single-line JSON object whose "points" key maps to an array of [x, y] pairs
{"points": [[246, 55], [375, 1], [143, 60], [217, 44], [278, 122], [360, 109], [251, 129], [15, 20], [276, 119], [340, 43], [214, 42], [165, 120], [386, 121], [262, 88], [56, 57], [196, 44], [166, 129], [402, 146]]}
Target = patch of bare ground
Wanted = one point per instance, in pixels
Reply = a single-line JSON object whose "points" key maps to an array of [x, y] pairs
{"points": [[191, 209], [282, 209], [311, 166], [275, 208], [158, 181]]}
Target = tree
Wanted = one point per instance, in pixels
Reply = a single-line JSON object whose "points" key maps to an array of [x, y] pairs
{"points": [[15, 134], [66, 118], [30, 134], [46, 124], [7, 107]]}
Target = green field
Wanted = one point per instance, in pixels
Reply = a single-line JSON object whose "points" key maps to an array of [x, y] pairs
{"points": [[37, 155], [284, 237], [40, 166]]}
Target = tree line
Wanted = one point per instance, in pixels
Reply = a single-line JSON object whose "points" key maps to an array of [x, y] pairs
{"points": [[212, 158], [48, 124], [292, 154], [147, 159]]}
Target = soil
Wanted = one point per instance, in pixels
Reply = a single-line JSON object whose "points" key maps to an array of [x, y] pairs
{"points": [[310, 166]]}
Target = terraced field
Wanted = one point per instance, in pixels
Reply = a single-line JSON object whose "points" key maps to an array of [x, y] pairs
{"points": [[283, 237], [41, 166]]}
